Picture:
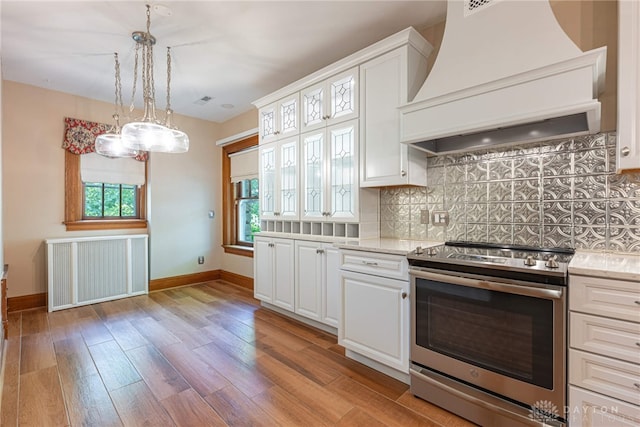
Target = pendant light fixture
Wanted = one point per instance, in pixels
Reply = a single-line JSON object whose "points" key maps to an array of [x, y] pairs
{"points": [[148, 133], [110, 144]]}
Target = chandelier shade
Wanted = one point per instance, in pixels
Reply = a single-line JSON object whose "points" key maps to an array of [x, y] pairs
{"points": [[149, 136], [110, 145]]}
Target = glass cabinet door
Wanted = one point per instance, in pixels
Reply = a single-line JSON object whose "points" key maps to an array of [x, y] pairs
{"points": [[343, 97], [267, 181], [288, 179], [313, 108], [313, 174], [343, 184], [288, 109], [267, 123]]}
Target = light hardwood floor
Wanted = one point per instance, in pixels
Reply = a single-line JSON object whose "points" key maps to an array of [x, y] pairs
{"points": [[203, 355]]}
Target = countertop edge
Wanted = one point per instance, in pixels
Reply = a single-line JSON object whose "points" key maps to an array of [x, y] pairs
{"points": [[608, 265]]}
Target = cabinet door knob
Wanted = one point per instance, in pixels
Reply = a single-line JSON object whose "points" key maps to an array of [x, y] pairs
{"points": [[404, 295], [403, 173], [625, 151]]}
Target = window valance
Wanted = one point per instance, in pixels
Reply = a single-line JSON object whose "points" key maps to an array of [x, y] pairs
{"points": [[80, 136]]}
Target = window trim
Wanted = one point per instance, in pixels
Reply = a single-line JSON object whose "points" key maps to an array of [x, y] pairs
{"points": [[228, 208], [73, 198]]}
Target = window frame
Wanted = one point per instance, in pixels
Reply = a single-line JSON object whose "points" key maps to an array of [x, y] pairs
{"points": [[229, 215], [74, 198]]}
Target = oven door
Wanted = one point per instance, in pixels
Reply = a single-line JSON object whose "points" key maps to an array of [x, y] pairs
{"points": [[504, 337]]}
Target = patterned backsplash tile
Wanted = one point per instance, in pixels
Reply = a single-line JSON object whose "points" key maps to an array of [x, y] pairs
{"points": [[558, 193]]}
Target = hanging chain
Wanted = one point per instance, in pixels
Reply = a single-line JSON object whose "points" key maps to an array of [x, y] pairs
{"points": [[151, 90], [135, 78], [168, 78], [118, 85]]}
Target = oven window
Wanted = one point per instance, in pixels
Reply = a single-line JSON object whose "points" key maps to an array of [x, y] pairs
{"points": [[501, 332]]}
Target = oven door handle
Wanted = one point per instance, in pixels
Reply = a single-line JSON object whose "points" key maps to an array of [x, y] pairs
{"points": [[529, 291]]}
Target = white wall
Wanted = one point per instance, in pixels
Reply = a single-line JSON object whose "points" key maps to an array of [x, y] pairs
{"points": [[182, 188]]}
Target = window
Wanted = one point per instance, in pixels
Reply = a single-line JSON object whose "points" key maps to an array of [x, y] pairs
{"points": [[75, 201], [240, 214], [103, 200], [247, 212]]}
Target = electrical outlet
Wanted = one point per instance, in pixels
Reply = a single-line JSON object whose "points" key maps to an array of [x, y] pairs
{"points": [[424, 216], [440, 218], [200, 260]]}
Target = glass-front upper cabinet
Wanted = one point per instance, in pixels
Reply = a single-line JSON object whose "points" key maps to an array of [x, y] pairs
{"points": [[279, 174], [330, 101], [329, 173], [280, 119]]}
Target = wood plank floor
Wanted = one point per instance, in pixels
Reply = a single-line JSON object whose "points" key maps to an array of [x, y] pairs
{"points": [[203, 355]]}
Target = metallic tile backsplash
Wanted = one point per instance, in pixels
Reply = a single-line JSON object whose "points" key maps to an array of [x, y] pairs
{"points": [[558, 193]]}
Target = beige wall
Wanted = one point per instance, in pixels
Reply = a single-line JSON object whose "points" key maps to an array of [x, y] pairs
{"points": [[590, 24], [239, 124], [234, 263], [182, 188]]}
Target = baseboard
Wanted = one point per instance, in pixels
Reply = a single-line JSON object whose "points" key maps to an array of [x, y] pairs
{"points": [[185, 279], [237, 279], [26, 302]]}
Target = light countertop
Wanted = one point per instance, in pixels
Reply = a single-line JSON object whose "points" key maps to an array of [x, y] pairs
{"points": [[609, 265], [387, 246], [380, 245]]}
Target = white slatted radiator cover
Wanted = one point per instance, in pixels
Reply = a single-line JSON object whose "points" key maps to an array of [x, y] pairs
{"points": [[87, 270]]}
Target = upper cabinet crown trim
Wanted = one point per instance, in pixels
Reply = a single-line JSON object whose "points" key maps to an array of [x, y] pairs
{"points": [[408, 35]]}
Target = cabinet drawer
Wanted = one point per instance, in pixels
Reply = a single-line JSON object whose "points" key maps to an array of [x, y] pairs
{"points": [[618, 299], [611, 377], [385, 265], [588, 409], [607, 337]]}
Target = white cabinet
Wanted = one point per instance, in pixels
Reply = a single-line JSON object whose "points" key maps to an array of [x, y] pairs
{"points": [[274, 271], [387, 82], [604, 355], [279, 179], [628, 132], [330, 101], [374, 319], [329, 173], [593, 410], [317, 283], [279, 119]]}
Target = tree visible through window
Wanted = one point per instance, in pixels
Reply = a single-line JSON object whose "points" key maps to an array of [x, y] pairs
{"points": [[248, 216], [105, 201]]}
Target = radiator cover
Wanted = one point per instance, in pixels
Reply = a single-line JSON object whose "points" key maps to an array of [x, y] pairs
{"points": [[88, 270]]}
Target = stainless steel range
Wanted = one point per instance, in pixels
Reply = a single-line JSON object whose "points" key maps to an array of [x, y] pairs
{"points": [[488, 331]]}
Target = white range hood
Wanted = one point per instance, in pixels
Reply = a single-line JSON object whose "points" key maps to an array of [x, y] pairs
{"points": [[506, 73]]}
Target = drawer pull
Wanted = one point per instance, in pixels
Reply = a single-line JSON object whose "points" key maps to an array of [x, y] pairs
{"points": [[370, 263]]}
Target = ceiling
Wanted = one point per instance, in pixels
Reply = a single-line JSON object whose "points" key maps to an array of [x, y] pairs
{"points": [[232, 51]]}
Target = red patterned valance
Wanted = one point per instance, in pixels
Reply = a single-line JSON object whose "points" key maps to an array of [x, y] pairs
{"points": [[80, 136]]}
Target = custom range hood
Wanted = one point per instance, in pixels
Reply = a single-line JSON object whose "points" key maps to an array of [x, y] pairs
{"points": [[506, 73]]}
